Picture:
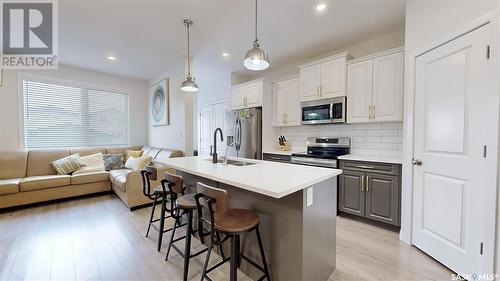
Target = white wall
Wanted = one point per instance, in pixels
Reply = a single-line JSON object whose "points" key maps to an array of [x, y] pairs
{"points": [[426, 22], [179, 134], [9, 102]]}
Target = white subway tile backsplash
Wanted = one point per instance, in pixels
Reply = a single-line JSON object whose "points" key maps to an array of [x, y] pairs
{"points": [[367, 139]]}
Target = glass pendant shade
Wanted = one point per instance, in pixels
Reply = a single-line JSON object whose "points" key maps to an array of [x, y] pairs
{"points": [[256, 58]]}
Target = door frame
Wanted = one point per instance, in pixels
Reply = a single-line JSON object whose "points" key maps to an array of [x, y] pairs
{"points": [[492, 18]]}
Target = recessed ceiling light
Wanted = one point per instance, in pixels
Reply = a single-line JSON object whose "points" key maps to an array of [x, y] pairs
{"points": [[225, 54], [320, 7], [112, 58]]}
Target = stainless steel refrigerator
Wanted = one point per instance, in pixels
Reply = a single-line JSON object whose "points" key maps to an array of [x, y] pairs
{"points": [[244, 134]]}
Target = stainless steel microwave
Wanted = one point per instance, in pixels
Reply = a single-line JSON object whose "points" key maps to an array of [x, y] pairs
{"points": [[326, 111]]}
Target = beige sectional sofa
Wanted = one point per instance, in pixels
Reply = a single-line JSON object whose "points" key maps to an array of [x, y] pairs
{"points": [[27, 177]]}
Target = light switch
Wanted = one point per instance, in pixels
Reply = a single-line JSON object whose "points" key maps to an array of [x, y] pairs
{"points": [[309, 196]]}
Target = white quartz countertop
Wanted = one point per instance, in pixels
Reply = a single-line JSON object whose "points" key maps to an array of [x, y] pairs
{"points": [[268, 178], [373, 158]]}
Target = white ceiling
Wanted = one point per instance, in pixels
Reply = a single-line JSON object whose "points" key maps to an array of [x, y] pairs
{"points": [[148, 37]]}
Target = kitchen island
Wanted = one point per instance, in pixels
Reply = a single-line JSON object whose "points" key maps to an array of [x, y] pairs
{"points": [[296, 204]]}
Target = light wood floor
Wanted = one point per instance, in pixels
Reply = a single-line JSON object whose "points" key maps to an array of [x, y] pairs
{"points": [[98, 238]]}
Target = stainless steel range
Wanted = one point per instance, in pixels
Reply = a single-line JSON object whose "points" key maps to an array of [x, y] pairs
{"points": [[323, 152]]}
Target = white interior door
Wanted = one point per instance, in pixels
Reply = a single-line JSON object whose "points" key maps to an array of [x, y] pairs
{"points": [[451, 183], [219, 117], [205, 129]]}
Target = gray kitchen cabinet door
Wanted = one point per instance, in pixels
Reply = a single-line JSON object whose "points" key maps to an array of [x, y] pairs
{"points": [[351, 195], [382, 198]]}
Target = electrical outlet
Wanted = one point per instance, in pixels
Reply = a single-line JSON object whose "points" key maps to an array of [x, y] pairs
{"points": [[309, 196]]}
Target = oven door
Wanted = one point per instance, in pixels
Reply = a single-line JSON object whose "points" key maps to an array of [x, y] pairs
{"points": [[339, 110], [317, 112]]}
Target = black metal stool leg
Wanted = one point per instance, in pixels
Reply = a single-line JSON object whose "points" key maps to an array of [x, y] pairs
{"points": [[152, 215], [204, 270], [234, 258], [162, 223], [187, 248], [220, 245], [263, 256], [172, 235]]}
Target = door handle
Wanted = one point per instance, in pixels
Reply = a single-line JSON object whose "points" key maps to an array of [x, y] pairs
{"points": [[366, 183], [416, 162], [363, 183]]}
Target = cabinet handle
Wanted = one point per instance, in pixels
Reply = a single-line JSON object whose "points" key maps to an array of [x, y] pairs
{"points": [[373, 112], [286, 118], [282, 118], [317, 91], [320, 90], [362, 183], [366, 184], [369, 112]]}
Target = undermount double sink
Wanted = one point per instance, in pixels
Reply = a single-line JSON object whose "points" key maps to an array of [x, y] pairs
{"points": [[234, 162]]}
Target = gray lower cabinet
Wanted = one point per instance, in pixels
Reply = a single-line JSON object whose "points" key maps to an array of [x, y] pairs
{"points": [[282, 158], [371, 190], [351, 197]]}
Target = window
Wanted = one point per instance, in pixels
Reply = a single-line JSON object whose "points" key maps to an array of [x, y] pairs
{"points": [[62, 116]]}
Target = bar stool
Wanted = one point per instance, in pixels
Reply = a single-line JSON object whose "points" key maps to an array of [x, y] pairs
{"points": [[159, 196], [229, 222], [181, 205]]}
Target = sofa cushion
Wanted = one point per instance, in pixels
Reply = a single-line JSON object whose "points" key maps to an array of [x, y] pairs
{"points": [[13, 164], [114, 161], [166, 153], [132, 153], [116, 173], [39, 161], [121, 149], [68, 164], [93, 163], [9, 186], [153, 152], [121, 182], [43, 182], [85, 151], [137, 163], [89, 177]]}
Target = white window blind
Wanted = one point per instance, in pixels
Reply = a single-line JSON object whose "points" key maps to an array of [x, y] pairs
{"points": [[62, 116]]}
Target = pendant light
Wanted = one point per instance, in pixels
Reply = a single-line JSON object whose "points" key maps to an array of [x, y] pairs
{"points": [[188, 85], [256, 58]]}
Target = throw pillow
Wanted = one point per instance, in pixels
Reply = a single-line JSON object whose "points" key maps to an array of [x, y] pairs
{"points": [[93, 163], [137, 163], [114, 161], [67, 165], [132, 153]]}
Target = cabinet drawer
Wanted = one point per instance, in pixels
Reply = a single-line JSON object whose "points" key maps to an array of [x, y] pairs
{"points": [[277, 157], [372, 167]]}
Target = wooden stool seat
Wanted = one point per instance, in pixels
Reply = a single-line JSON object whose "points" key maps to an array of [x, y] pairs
{"points": [[186, 202], [236, 221]]}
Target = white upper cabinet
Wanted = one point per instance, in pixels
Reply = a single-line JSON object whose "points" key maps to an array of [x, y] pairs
{"points": [[359, 93], [247, 95], [309, 82], [293, 112], [238, 97], [279, 103], [388, 87], [325, 78], [333, 75], [375, 88], [286, 103]]}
